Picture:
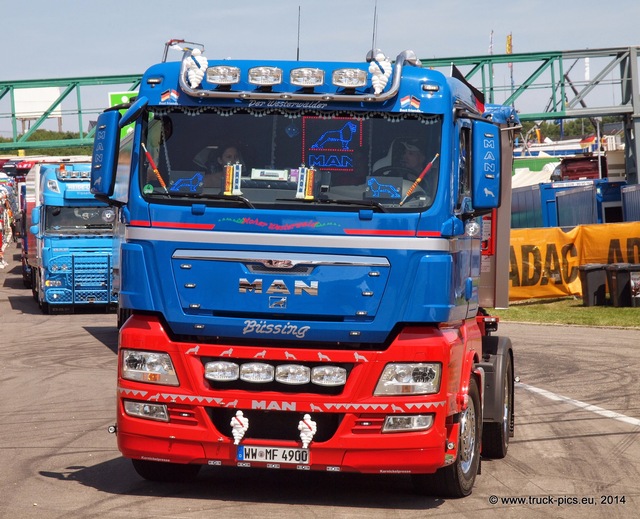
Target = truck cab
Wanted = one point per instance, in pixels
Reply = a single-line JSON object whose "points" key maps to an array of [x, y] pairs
{"points": [[71, 259], [312, 302]]}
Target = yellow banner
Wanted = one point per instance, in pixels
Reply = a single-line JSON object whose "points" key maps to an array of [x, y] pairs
{"points": [[545, 262]]}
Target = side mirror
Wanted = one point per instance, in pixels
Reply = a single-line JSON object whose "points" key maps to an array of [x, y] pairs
{"points": [[106, 146], [486, 165], [134, 111], [34, 229], [104, 160], [35, 216]]}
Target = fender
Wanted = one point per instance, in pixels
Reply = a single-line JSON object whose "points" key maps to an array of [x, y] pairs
{"points": [[495, 351], [469, 368]]}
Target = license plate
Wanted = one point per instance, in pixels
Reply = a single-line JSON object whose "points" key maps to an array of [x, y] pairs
{"points": [[273, 454]]}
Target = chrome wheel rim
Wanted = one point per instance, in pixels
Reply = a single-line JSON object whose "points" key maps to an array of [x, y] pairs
{"points": [[467, 437]]}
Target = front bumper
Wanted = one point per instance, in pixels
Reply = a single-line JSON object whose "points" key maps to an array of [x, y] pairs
{"points": [[349, 433]]}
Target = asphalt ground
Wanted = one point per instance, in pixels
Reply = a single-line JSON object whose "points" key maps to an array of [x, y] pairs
{"points": [[575, 452]]}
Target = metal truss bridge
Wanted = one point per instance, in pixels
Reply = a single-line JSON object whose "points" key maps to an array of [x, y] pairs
{"points": [[542, 86]]}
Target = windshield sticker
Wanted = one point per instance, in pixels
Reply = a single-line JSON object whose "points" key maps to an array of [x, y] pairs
{"points": [[330, 144], [310, 224], [384, 187], [410, 103], [288, 104], [189, 185], [169, 97]]}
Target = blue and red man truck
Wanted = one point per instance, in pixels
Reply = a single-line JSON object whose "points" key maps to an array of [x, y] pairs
{"points": [[317, 302]]}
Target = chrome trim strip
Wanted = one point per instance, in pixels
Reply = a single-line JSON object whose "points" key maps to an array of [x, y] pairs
{"points": [[307, 241], [292, 259]]}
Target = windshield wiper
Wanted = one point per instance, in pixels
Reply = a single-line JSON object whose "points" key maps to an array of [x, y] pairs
{"points": [[208, 196], [330, 201]]}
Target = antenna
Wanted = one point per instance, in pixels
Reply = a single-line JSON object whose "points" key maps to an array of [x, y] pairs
{"points": [[375, 26], [298, 47]]}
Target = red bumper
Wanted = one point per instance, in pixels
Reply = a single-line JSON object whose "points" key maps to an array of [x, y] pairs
{"points": [[349, 433]]}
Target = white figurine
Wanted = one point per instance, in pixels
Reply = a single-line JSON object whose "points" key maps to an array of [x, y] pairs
{"points": [[307, 428], [239, 425], [196, 67], [380, 69]]}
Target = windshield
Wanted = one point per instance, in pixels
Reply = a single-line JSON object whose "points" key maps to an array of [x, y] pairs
{"points": [[287, 157], [79, 220]]}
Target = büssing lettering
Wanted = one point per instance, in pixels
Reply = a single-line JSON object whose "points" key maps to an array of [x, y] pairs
{"points": [[266, 328]]}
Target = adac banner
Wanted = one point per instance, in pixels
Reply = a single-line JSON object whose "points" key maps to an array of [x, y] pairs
{"points": [[545, 262]]}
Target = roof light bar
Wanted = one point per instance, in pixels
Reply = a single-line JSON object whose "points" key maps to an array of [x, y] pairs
{"points": [[307, 77], [223, 75], [349, 78], [265, 76]]}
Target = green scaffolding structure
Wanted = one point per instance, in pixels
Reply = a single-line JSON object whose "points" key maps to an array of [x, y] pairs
{"points": [[542, 86]]}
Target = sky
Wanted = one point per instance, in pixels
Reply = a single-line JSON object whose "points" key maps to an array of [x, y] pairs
{"points": [[46, 39], [49, 39]]}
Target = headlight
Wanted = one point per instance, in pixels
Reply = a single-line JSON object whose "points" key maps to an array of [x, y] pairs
{"points": [[265, 76], [256, 372], [406, 423], [146, 410], [293, 374], [414, 378], [349, 78], [307, 77], [223, 75], [150, 367], [221, 371], [329, 376]]}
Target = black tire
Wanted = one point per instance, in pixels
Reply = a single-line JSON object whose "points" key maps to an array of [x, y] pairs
{"points": [[26, 276], [35, 290], [34, 285], [165, 472], [495, 436], [457, 480]]}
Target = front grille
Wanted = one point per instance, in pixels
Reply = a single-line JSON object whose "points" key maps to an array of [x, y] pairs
{"points": [[89, 274], [256, 268], [92, 296], [274, 425], [91, 279]]}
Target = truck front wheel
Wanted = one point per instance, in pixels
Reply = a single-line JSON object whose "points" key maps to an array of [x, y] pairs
{"points": [[166, 472], [457, 479], [495, 436]]}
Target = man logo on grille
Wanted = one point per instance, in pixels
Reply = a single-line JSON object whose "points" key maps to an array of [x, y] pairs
{"points": [[277, 302]]}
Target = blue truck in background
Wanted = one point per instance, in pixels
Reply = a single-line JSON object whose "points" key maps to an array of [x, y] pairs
{"points": [[69, 259]]}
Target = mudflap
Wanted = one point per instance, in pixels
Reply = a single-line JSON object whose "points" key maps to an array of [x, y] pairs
{"points": [[495, 350]]}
